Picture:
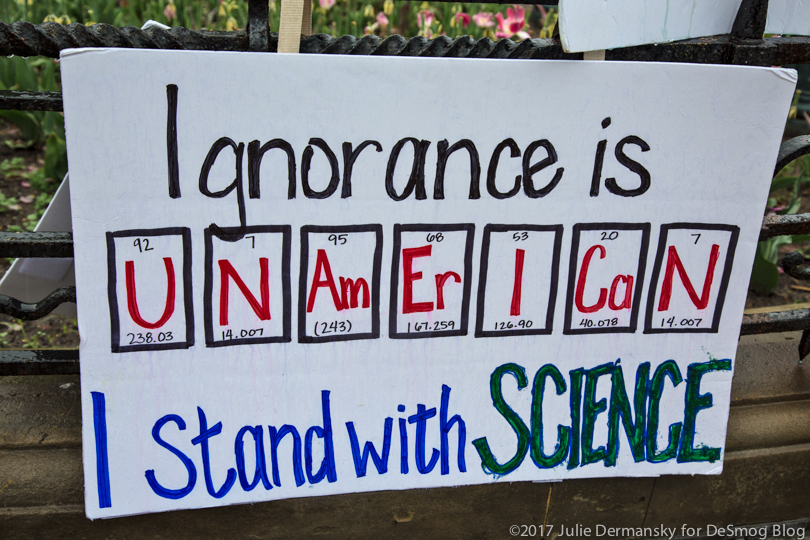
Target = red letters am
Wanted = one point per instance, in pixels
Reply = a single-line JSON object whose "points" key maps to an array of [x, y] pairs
{"points": [[339, 288]]}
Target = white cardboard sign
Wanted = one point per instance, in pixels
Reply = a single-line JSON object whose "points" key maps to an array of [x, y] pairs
{"points": [[589, 26], [309, 275], [788, 17], [610, 24]]}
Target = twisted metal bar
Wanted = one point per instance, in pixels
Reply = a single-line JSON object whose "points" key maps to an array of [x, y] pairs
{"points": [[779, 321], [783, 225], [36, 244], [31, 312], [47, 39], [795, 265], [30, 100], [23, 38]]}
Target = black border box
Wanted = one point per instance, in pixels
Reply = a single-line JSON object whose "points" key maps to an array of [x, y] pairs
{"points": [[375, 282], [721, 293], [469, 228], [572, 276], [112, 295], [553, 285], [286, 230]]}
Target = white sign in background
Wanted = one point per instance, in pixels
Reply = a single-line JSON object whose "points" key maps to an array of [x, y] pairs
{"points": [[788, 17], [414, 367], [610, 24]]}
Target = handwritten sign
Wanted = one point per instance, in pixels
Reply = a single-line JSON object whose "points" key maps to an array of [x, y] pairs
{"points": [[311, 275]]}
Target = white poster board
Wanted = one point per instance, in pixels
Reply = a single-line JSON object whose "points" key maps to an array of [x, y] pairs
{"points": [[563, 304], [788, 17], [610, 24]]}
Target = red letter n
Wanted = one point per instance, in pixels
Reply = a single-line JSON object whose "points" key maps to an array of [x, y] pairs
{"points": [[322, 265], [674, 263], [226, 270], [132, 297]]}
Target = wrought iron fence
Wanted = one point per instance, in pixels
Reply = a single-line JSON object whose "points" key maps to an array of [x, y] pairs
{"points": [[744, 46]]}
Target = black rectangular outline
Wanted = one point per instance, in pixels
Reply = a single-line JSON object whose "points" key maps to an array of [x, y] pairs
{"points": [[112, 295], [482, 280], [286, 232], [572, 271], [469, 228], [721, 293], [375, 282]]}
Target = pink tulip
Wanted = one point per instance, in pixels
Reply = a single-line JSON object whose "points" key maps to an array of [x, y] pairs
{"points": [[382, 20], [463, 19], [483, 20], [512, 24], [170, 11], [326, 4], [426, 17]]}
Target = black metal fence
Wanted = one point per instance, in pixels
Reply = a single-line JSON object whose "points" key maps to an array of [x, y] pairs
{"points": [[744, 46]]}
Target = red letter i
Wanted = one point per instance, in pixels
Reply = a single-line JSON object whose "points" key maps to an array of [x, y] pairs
{"points": [[516, 290]]}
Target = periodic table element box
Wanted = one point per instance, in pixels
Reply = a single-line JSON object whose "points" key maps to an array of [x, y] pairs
{"points": [[518, 277], [339, 290], [150, 289], [690, 278], [431, 277], [247, 286], [606, 277]]}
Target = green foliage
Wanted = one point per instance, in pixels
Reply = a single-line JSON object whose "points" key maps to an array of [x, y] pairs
{"points": [[785, 199], [12, 167], [337, 17], [32, 74], [56, 165], [8, 203]]}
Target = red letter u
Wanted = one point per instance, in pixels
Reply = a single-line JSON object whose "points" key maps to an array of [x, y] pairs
{"points": [[132, 301]]}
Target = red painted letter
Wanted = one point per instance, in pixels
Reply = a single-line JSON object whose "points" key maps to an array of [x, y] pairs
{"points": [[132, 301], [409, 276], [627, 303], [440, 279], [227, 270], [351, 289], [673, 263], [583, 275], [322, 265], [517, 289]]}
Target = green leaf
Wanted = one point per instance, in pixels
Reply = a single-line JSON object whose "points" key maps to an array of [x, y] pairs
{"points": [[26, 122], [55, 158], [801, 238], [764, 275], [781, 182], [792, 207]]}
